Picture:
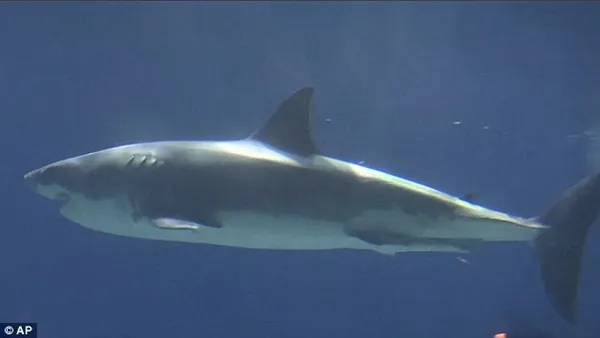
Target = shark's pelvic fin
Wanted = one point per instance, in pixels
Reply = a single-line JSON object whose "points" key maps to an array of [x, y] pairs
{"points": [[179, 224], [288, 128]]}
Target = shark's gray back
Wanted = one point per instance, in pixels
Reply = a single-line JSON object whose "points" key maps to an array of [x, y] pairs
{"points": [[192, 184]]}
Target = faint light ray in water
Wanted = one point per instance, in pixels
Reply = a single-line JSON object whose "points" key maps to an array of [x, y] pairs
{"points": [[592, 138]]}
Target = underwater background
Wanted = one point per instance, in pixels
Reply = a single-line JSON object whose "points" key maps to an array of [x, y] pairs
{"points": [[498, 100]]}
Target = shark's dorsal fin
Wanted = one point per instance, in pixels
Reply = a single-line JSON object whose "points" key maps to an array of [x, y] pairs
{"points": [[289, 127]]}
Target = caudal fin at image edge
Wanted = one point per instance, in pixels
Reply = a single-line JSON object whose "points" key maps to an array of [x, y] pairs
{"points": [[561, 246]]}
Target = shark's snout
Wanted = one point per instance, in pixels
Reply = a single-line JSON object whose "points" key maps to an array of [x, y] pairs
{"points": [[42, 181], [31, 178], [54, 173], [92, 176]]}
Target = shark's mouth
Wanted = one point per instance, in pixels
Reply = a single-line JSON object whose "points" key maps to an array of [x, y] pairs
{"points": [[62, 198]]}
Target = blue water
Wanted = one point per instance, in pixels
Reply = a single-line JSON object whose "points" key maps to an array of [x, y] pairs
{"points": [[492, 99]]}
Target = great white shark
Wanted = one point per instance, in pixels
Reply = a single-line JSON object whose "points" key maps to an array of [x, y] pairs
{"points": [[275, 190]]}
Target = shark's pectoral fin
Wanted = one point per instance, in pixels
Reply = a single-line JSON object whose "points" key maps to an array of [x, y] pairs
{"points": [[174, 224], [179, 224]]}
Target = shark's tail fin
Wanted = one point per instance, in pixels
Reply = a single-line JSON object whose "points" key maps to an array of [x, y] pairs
{"points": [[560, 247]]}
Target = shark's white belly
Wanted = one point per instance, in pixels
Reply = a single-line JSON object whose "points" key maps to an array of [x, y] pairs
{"points": [[260, 231], [241, 229]]}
